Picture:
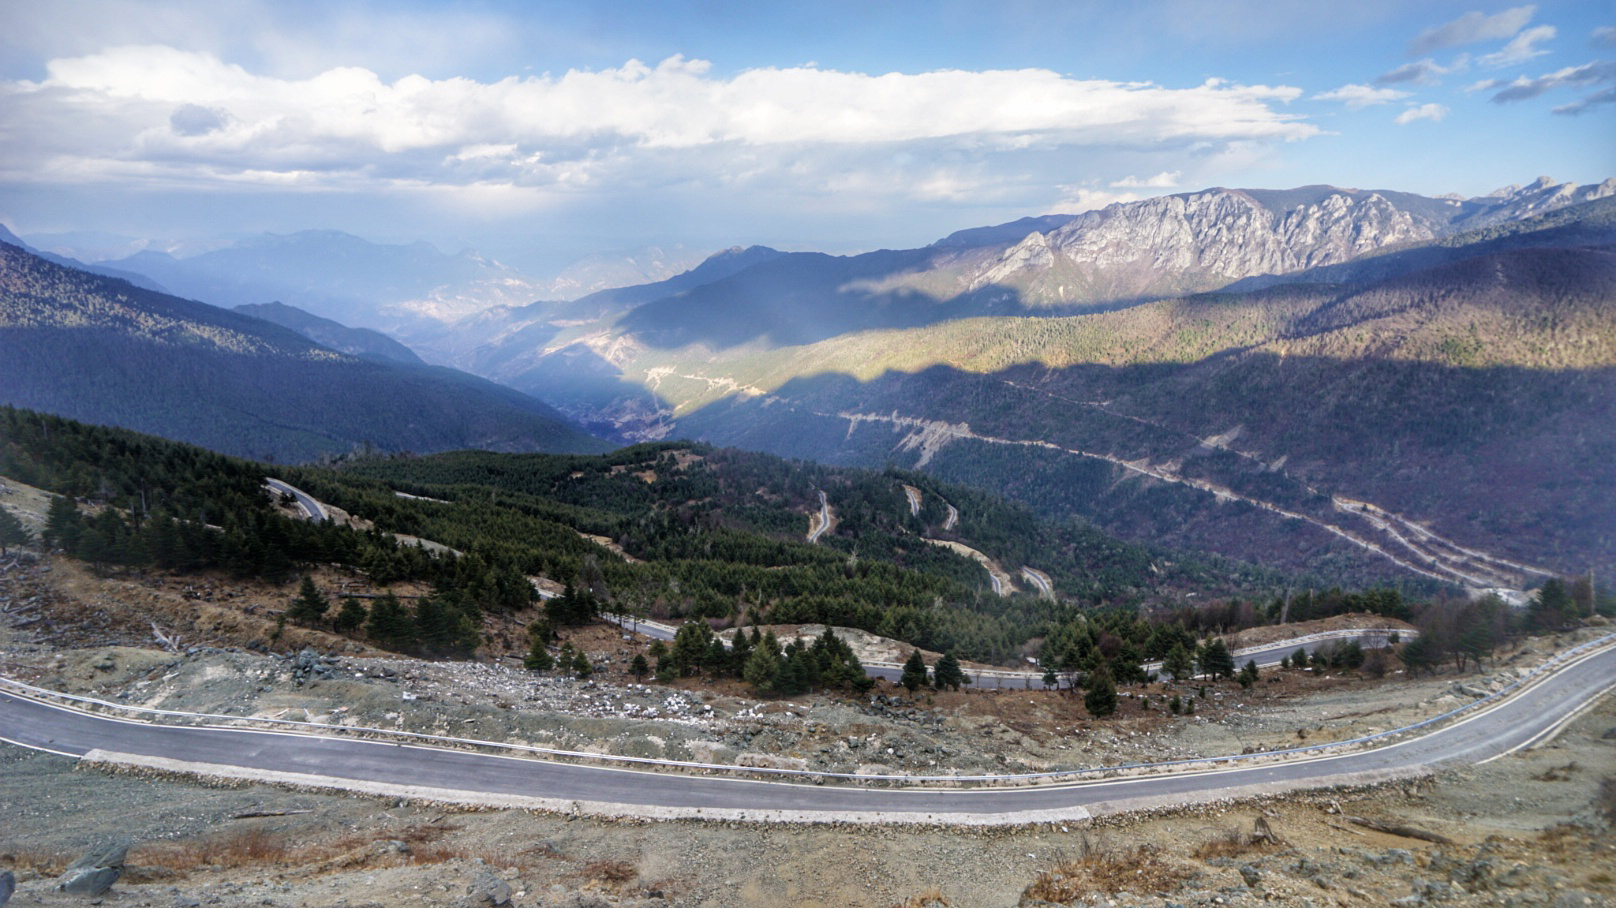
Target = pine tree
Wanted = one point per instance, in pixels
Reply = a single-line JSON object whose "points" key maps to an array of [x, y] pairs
{"points": [[389, 625], [1419, 655], [310, 605], [948, 673], [739, 651], [692, 647], [350, 617], [1553, 606], [914, 672], [639, 668], [1101, 698], [1216, 660], [761, 668], [1178, 665], [717, 661], [538, 658], [1248, 674], [581, 666], [63, 523], [796, 674], [12, 532]]}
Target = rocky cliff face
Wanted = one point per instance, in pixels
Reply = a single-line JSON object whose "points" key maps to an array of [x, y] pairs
{"points": [[1541, 195], [1205, 240]]}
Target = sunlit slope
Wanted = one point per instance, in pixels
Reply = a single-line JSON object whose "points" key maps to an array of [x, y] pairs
{"points": [[1479, 395], [1534, 309]]}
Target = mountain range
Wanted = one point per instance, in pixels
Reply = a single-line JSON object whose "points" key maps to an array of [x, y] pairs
{"points": [[338, 276], [345, 278], [102, 350], [1227, 369], [1362, 384], [361, 342]]}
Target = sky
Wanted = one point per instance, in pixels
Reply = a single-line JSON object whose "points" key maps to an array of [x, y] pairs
{"points": [[537, 131]]}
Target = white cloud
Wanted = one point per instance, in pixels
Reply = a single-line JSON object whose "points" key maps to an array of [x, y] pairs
{"points": [[1522, 88], [1424, 72], [1604, 35], [1422, 112], [1167, 179], [1078, 199], [1357, 97], [1472, 28], [1583, 105], [1520, 48], [142, 111]]}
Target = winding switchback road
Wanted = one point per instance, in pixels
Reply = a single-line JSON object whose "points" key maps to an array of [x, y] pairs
{"points": [[821, 523], [1533, 710], [1040, 580], [304, 500]]}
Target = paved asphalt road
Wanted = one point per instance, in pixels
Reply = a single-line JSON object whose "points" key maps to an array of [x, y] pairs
{"points": [[824, 518], [304, 500], [1491, 731]]}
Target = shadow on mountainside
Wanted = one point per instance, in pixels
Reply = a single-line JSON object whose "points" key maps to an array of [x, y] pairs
{"points": [[801, 298], [1512, 460]]}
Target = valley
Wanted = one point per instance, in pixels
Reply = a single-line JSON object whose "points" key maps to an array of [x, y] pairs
{"points": [[842, 455], [1437, 353], [1355, 468]]}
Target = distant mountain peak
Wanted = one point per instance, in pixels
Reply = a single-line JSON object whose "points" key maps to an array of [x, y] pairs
{"points": [[341, 276]]}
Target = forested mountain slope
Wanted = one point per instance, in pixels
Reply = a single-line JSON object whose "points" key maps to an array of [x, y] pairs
{"points": [[361, 342], [103, 350], [1451, 356], [1477, 397], [670, 530]]}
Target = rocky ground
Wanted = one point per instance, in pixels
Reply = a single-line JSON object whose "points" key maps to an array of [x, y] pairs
{"points": [[1548, 842], [1533, 829], [66, 628]]}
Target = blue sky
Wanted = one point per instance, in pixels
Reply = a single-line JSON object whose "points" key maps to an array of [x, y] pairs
{"points": [[541, 131]]}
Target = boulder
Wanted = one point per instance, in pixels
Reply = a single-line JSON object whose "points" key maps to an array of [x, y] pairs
{"points": [[487, 889], [309, 665], [95, 872]]}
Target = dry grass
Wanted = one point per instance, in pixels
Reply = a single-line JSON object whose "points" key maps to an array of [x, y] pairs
{"points": [[615, 873], [1605, 801], [1102, 869], [243, 848], [1232, 843], [1558, 773], [605, 875], [421, 843], [35, 861]]}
